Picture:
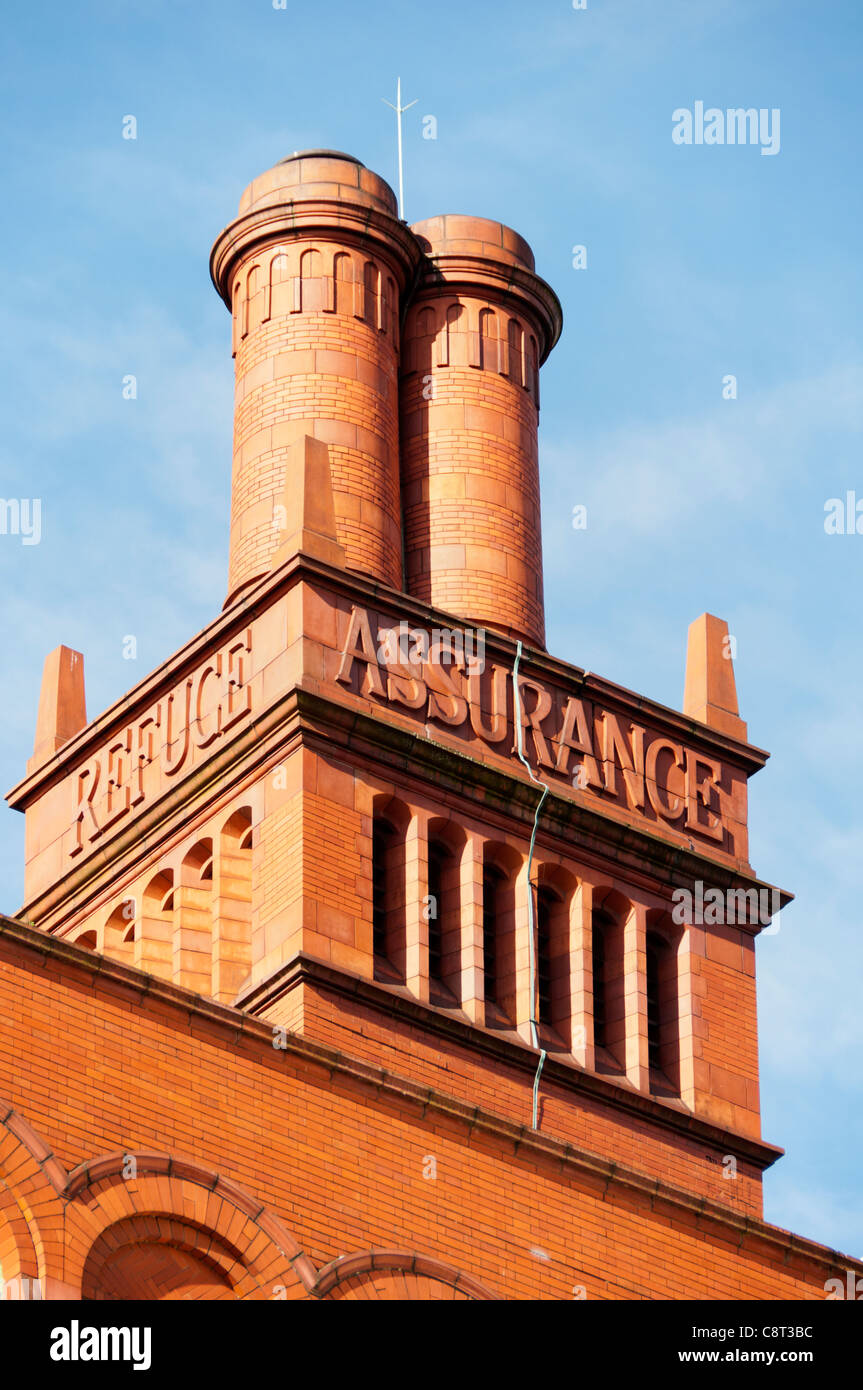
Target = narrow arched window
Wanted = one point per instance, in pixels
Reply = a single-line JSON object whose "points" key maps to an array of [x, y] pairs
{"points": [[662, 988], [438, 856], [515, 335], [492, 885], [488, 347], [383, 842], [372, 281], [654, 951], [601, 925], [311, 284], [343, 283], [546, 904], [389, 900]]}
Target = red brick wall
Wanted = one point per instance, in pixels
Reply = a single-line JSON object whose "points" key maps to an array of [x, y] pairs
{"points": [[336, 1154]]}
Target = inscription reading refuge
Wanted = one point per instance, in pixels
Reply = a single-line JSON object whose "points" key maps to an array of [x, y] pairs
{"points": [[199, 710]]}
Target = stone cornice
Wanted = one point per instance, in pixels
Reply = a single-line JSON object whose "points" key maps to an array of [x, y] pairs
{"points": [[324, 219], [393, 1000], [597, 834], [269, 589]]}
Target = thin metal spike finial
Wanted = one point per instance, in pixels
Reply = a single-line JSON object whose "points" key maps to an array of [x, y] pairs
{"points": [[399, 109]]}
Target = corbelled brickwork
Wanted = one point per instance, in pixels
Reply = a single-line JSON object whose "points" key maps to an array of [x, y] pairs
{"points": [[352, 962]]}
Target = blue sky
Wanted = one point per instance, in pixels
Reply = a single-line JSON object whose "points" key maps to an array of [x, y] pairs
{"points": [[702, 261]]}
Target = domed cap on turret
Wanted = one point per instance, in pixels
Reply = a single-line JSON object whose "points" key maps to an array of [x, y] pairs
{"points": [[490, 257], [313, 174], [318, 194]]}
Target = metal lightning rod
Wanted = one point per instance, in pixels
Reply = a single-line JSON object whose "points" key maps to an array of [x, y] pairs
{"points": [[398, 108]]}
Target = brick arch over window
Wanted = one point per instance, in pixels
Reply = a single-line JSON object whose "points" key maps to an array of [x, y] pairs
{"points": [[31, 1183], [175, 1230], [149, 1258], [397, 1276]]}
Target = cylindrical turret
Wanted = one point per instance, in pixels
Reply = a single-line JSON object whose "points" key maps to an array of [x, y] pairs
{"points": [[313, 270], [479, 325]]}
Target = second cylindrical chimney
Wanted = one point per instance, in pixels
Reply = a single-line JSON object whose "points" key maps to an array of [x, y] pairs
{"points": [[479, 325]]}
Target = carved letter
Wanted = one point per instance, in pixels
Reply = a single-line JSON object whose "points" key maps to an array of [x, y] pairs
{"points": [[698, 793], [575, 736], [446, 702], [500, 683], [614, 746], [117, 799], [204, 738], [359, 629], [533, 720], [174, 757], [88, 782], [144, 752], [238, 700], [671, 809]]}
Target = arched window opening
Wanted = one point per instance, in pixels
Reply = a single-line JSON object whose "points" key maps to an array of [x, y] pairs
{"points": [[372, 283], [515, 335], [389, 310], [199, 860], [663, 1006], [388, 897], [654, 1014], [546, 902], [501, 865], [119, 934], [438, 855], [534, 372], [488, 346], [88, 940], [343, 283], [555, 890], [600, 1015], [232, 907], [238, 828], [192, 938], [445, 846], [609, 1001], [452, 340], [156, 925], [493, 879], [383, 840], [159, 893], [251, 292], [279, 289], [311, 282]]}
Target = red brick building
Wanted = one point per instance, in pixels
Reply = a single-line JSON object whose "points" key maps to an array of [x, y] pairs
{"points": [[352, 962]]}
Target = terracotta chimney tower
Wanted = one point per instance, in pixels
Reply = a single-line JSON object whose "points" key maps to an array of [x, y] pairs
{"points": [[313, 270], [479, 325]]}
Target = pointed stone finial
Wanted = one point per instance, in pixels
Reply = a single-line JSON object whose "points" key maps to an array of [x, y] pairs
{"points": [[62, 704], [306, 517], [710, 693]]}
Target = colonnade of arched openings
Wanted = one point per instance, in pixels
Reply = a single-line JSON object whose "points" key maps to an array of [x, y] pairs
{"points": [[600, 958], [189, 920]]}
